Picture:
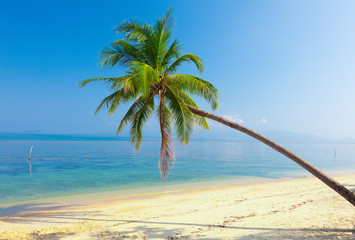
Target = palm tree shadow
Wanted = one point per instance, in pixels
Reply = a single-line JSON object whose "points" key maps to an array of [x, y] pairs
{"points": [[350, 187], [144, 232], [56, 235], [300, 235], [16, 210], [47, 212], [32, 213], [179, 233]]}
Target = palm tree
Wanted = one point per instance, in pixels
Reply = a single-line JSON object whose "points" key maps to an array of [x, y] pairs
{"points": [[152, 60]]}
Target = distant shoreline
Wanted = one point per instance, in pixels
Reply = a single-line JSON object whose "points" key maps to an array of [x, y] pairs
{"points": [[278, 136]]}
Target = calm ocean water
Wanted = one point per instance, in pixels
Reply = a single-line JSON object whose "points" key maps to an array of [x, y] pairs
{"points": [[69, 167]]}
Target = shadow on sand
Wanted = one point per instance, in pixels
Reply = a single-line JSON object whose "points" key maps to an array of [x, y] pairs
{"points": [[351, 187], [48, 213], [22, 209]]}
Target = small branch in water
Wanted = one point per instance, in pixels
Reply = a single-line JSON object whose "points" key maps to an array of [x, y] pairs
{"points": [[29, 156], [29, 161]]}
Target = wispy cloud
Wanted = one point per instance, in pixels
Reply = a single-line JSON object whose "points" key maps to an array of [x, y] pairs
{"points": [[262, 121], [234, 118]]}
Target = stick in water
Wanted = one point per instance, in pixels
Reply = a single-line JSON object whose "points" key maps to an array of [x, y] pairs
{"points": [[29, 160], [29, 156]]}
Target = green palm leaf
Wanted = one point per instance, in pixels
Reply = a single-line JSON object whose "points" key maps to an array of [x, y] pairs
{"points": [[187, 57], [142, 34], [173, 52], [146, 76], [138, 120], [105, 80], [120, 52], [112, 101], [136, 106], [196, 86], [183, 118], [200, 121]]}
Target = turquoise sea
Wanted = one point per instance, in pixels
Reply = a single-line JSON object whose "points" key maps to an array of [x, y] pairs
{"points": [[65, 166]]}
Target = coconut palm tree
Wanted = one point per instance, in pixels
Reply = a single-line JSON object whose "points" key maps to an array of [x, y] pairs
{"points": [[152, 83]]}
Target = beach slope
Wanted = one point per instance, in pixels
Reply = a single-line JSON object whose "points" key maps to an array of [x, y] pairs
{"points": [[293, 209]]}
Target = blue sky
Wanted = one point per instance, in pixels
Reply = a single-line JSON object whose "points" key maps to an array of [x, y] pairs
{"points": [[279, 65]]}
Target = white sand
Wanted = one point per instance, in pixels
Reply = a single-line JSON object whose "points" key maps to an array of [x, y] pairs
{"points": [[295, 209]]}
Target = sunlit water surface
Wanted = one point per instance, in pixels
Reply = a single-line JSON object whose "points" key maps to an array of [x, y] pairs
{"points": [[61, 168]]}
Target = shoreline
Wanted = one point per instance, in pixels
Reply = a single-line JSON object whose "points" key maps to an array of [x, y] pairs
{"points": [[78, 200], [72, 201], [249, 205]]}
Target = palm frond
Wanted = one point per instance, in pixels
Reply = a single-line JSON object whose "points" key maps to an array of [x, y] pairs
{"points": [[113, 101], [142, 34], [183, 117], [129, 85], [138, 120], [103, 80], [134, 30], [146, 76], [187, 57], [196, 86], [120, 52], [162, 34], [173, 52], [200, 121], [136, 106]]}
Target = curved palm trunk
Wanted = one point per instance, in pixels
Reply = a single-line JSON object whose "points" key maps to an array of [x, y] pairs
{"points": [[166, 156], [339, 188]]}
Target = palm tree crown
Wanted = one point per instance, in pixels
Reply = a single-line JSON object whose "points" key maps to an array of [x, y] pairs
{"points": [[152, 84]]}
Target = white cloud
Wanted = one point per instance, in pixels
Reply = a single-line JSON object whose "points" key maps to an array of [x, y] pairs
{"points": [[262, 121], [234, 118]]}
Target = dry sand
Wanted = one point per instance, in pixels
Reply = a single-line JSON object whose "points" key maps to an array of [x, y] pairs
{"points": [[294, 209]]}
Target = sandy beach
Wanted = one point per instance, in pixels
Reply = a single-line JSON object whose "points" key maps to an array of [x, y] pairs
{"points": [[292, 209]]}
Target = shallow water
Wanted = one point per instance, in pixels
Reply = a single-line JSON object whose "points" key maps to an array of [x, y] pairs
{"points": [[66, 167]]}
